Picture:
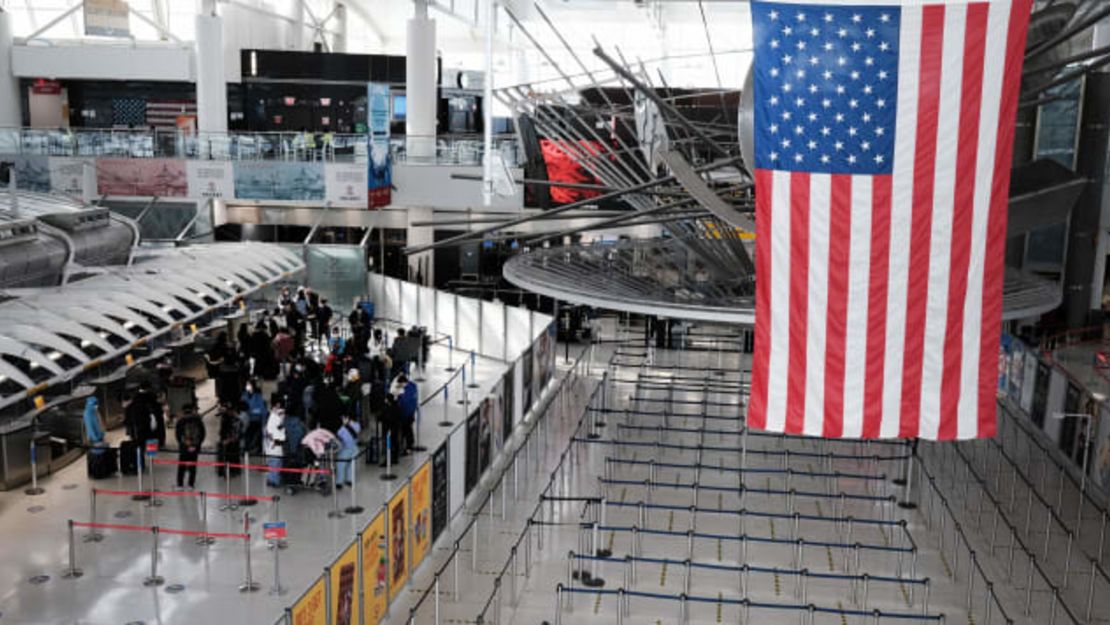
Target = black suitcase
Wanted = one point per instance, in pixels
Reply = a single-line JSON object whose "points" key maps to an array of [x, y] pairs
{"points": [[102, 462], [128, 457]]}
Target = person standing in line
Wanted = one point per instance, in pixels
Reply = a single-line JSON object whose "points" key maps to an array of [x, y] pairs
{"points": [[94, 425], [275, 440], [190, 434], [323, 321], [348, 449], [256, 417]]}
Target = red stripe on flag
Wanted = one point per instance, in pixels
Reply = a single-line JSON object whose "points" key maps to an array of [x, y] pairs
{"points": [[799, 288], [917, 288], [836, 313], [757, 408], [996, 220], [963, 210], [876, 306]]}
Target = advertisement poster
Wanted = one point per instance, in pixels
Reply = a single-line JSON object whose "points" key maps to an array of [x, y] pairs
{"points": [[345, 184], [67, 174], [377, 108], [153, 177], [421, 513], [485, 430], [375, 567], [496, 402], [441, 486], [1017, 369], [543, 356], [1027, 381], [526, 376], [507, 403], [1100, 463], [107, 18], [278, 180], [213, 180], [473, 467], [398, 541], [32, 172], [1004, 351], [379, 180], [312, 607], [344, 593]]}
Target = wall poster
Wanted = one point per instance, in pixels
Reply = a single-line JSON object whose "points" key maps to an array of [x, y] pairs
{"points": [[421, 513], [344, 592], [375, 567], [345, 184], [473, 467], [67, 174], [312, 607], [441, 489], [496, 402], [399, 546], [107, 18], [508, 403], [526, 386], [278, 180], [213, 180], [143, 177]]}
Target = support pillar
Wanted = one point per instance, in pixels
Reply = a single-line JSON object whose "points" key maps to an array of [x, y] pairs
{"points": [[211, 83], [420, 85], [339, 41], [10, 113]]}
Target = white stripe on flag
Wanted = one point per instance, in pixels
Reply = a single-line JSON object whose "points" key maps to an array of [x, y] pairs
{"points": [[998, 19], [820, 205], [855, 339], [901, 211], [778, 367], [940, 241]]}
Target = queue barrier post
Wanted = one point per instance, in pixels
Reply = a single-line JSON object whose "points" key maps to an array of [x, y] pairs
{"points": [[93, 536], [154, 579], [141, 495], [228, 503], [335, 512], [279, 543], [248, 585], [247, 501], [72, 572], [445, 422], [277, 589], [204, 539], [35, 489], [389, 474], [473, 366], [354, 508], [153, 501]]}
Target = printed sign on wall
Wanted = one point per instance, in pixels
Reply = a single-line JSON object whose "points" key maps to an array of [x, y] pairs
{"points": [[312, 608], [107, 18], [398, 541], [344, 593], [210, 179], [277, 180], [441, 485], [473, 464], [160, 177], [32, 172], [67, 174], [421, 513], [346, 184], [375, 567]]}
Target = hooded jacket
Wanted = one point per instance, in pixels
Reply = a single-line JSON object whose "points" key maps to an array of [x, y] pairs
{"points": [[93, 429]]}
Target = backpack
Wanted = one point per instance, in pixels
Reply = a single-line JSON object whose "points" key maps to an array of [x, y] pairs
{"points": [[190, 432]]}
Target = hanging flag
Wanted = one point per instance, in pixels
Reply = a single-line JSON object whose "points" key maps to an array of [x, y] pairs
{"points": [[883, 135]]}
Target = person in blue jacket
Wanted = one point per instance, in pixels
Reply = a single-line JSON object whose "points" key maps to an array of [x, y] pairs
{"points": [[94, 427], [408, 398], [257, 412]]}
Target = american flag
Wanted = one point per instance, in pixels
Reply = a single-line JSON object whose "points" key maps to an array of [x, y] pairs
{"points": [[883, 135], [164, 113]]}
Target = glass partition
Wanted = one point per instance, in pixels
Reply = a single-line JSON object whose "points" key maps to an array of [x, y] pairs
{"points": [[337, 272]]}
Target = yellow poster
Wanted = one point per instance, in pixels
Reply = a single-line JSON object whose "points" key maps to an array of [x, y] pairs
{"points": [[421, 513], [374, 569], [344, 592], [398, 541], [311, 608]]}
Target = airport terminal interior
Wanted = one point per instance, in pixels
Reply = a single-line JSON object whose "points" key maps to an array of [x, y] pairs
{"points": [[548, 312]]}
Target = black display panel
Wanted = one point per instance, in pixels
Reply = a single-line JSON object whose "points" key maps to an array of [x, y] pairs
{"points": [[441, 490], [507, 403], [473, 468]]}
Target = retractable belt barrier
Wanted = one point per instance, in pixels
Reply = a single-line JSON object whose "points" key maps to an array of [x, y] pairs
{"points": [[757, 452], [759, 471], [247, 467]]}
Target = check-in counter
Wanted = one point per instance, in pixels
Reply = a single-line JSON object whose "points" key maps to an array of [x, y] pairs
{"points": [[58, 432]]}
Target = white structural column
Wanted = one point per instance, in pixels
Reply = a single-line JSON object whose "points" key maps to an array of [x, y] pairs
{"points": [[420, 235], [339, 41], [420, 85], [487, 112], [9, 84], [297, 27], [211, 83]]}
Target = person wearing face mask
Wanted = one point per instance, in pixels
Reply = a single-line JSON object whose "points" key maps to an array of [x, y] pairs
{"points": [[275, 440], [256, 416]]}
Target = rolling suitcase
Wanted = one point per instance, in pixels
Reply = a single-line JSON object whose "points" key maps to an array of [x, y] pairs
{"points": [[128, 457], [101, 462]]}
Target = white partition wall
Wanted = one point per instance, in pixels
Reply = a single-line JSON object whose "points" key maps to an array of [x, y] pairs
{"points": [[467, 324], [410, 302], [427, 317], [518, 393], [518, 331], [391, 299], [445, 316], [493, 329]]}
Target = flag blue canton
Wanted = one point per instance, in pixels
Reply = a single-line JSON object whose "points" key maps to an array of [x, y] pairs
{"points": [[826, 87]]}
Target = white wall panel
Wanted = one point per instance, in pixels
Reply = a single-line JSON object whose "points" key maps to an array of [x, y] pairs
{"points": [[104, 62], [467, 323], [518, 332], [456, 462], [445, 316], [392, 299], [410, 294], [428, 310], [493, 329]]}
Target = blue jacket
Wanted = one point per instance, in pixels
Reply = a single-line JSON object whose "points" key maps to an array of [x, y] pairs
{"points": [[92, 423], [256, 406], [409, 401]]}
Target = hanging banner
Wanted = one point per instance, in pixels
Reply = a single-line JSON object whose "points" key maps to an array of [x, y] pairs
{"points": [[375, 567], [107, 18], [421, 513], [441, 489], [344, 594], [278, 180], [380, 175], [377, 108], [312, 607], [345, 185], [67, 174], [142, 177], [213, 180], [398, 541]]}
